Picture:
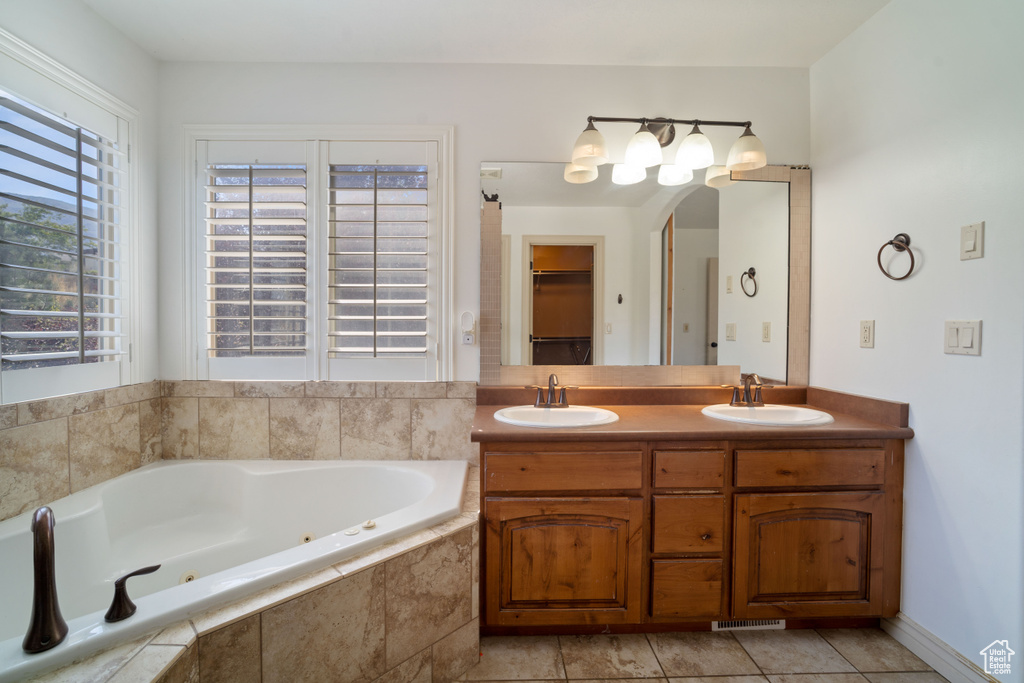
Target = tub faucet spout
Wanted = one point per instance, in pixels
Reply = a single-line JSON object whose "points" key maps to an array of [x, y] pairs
{"points": [[47, 628]]}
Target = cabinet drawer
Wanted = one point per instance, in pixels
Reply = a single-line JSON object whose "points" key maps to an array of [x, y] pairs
{"points": [[686, 588], [688, 524], [576, 471], [826, 467], [689, 469]]}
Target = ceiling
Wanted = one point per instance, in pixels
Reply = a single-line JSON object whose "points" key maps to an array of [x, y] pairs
{"points": [[776, 33]]}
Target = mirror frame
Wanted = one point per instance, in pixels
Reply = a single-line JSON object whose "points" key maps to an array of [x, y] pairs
{"points": [[798, 341]]}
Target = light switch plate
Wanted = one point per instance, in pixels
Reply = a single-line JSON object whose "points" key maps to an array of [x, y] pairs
{"points": [[867, 334], [962, 337], [730, 332], [972, 241], [766, 332], [728, 284]]}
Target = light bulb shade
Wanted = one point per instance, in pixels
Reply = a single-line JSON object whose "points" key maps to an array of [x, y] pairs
{"points": [[695, 151], [718, 176], [590, 149], [674, 174], [643, 149], [747, 153], [578, 174], [624, 174]]}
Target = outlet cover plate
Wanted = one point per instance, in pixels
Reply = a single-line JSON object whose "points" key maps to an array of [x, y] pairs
{"points": [[867, 334]]}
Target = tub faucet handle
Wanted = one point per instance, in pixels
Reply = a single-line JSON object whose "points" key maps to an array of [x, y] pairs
{"points": [[122, 606]]}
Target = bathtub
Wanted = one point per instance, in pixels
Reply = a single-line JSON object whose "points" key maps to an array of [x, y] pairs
{"points": [[219, 529]]}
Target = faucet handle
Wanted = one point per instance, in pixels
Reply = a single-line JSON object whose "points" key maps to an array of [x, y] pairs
{"points": [[736, 400], [122, 606], [562, 400]]}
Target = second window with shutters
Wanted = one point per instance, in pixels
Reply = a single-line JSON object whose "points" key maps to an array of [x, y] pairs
{"points": [[321, 259]]}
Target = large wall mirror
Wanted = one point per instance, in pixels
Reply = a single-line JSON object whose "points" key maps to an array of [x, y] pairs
{"points": [[644, 275]]}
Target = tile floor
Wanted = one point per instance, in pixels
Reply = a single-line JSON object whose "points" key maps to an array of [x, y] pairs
{"points": [[795, 656]]}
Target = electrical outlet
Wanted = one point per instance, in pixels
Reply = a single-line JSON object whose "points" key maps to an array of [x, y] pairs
{"points": [[766, 332], [730, 332], [867, 334]]}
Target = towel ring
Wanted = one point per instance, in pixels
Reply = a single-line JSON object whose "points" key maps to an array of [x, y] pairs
{"points": [[900, 242], [749, 273]]}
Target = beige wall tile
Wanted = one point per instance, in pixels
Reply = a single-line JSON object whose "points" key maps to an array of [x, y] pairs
{"points": [[180, 428], [33, 466], [335, 633], [182, 633], [103, 444], [416, 669], [341, 389], [375, 429], [9, 416], [148, 390], [455, 653], [475, 573], [383, 553], [461, 390], [305, 429], [198, 389], [232, 654], [441, 429], [234, 428], [270, 389], [411, 389], [62, 406], [428, 594], [150, 431]]}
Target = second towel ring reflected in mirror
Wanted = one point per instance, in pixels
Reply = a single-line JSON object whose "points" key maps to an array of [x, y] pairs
{"points": [[749, 273]]}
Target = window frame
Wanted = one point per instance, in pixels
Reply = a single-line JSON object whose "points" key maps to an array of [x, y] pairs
{"points": [[34, 77], [318, 365]]}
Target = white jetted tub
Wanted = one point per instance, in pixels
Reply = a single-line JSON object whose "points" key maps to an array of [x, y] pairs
{"points": [[219, 529]]}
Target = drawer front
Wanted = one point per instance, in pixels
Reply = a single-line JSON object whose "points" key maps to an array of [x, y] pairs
{"points": [[825, 467], [688, 524], [689, 469], [578, 471], [685, 589]]}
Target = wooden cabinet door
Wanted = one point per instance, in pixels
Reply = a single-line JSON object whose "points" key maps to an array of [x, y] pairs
{"points": [[563, 560], [814, 554]]}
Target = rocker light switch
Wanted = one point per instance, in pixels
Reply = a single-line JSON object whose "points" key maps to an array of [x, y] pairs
{"points": [[730, 332], [963, 337], [972, 241]]}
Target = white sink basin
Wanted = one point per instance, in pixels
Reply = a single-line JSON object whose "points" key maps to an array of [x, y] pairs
{"points": [[572, 416], [777, 415]]}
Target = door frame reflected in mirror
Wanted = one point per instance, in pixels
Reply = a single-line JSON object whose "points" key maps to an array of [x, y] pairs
{"points": [[798, 332]]}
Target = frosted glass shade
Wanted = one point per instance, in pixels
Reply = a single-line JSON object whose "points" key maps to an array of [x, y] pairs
{"points": [[643, 149], [578, 174], [695, 151], [718, 176], [624, 174], [674, 174], [747, 153], [590, 149]]}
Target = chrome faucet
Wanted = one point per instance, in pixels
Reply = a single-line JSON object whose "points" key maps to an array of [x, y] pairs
{"points": [[47, 628], [552, 384]]}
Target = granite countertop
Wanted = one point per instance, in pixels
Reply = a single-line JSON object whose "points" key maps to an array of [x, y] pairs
{"points": [[855, 417]]}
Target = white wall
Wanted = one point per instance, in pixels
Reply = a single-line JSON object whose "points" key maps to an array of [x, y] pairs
{"points": [[753, 227], [72, 34], [504, 113], [916, 128], [696, 240]]}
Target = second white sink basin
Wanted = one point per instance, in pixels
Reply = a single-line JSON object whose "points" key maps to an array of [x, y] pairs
{"points": [[572, 416], [776, 415]]}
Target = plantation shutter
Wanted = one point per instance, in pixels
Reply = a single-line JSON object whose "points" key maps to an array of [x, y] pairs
{"points": [[382, 260], [256, 260], [62, 202]]}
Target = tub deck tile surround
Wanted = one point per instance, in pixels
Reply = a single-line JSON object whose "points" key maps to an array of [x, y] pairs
{"points": [[104, 444], [330, 608], [305, 429], [235, 428], [33, 466]]}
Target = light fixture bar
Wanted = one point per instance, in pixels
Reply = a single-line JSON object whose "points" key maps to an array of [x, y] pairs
{"points": [[688, 122]]}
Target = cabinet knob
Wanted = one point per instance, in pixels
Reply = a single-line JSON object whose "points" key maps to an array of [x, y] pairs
{"points": [[705, 537]]}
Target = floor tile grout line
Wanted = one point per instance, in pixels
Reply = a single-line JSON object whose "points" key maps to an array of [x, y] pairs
{"points": [[664, 673]]}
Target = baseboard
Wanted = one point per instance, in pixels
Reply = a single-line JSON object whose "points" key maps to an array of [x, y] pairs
{"points": [[935, 653]]}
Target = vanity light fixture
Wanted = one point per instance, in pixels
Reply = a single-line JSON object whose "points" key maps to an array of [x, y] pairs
{"points": [[625, 174], [644, 150]]}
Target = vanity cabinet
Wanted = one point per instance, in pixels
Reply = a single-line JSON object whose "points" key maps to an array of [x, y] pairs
{"points": [[563, 534], [663, 532]]}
